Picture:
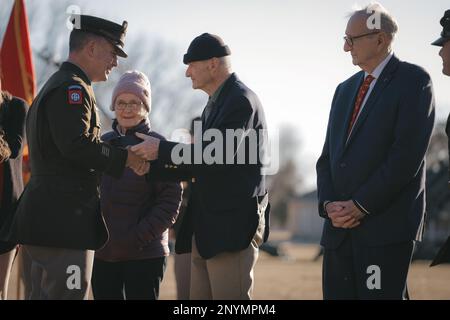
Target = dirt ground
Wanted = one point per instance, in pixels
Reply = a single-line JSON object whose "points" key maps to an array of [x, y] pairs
{"points": [[297, 276]]}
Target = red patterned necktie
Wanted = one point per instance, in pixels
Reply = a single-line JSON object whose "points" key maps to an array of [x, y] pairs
{"points": [[359, 100]]}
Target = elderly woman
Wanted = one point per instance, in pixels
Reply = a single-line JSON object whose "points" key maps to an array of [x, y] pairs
{"points": [[138, 213], [12, 128]]}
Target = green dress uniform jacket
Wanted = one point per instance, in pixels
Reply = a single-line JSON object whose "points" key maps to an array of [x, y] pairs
{"points": [[60, 205]]}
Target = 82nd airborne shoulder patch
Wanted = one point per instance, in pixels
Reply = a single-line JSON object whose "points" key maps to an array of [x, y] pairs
{"points": [[75, 94]]}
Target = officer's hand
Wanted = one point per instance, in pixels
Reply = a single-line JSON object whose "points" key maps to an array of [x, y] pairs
{"points": [[143, 169], [134, 161], [148, 149]]}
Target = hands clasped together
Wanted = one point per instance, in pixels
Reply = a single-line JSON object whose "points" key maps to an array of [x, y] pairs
{"points": [[344, 214], [140, 154]]}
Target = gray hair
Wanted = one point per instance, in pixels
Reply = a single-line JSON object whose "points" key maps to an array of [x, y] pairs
{"points": [[225, 62], [378, 18]]}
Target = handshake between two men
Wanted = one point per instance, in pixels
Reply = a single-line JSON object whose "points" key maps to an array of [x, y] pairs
{"points": [[139, 155]]}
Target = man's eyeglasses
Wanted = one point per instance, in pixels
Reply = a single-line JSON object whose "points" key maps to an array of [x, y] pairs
{"points": [[134, 105], [349, 40]]}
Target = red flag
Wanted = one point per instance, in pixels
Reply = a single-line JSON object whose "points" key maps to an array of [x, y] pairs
{"points": [[16, 58], [17, 63]]}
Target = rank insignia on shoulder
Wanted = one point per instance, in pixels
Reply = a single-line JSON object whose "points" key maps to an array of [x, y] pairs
{"points": [[75, 94]]}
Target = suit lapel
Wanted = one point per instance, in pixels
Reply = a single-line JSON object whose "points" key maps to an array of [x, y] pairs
{"points": [[203, 118], [379, 87]]}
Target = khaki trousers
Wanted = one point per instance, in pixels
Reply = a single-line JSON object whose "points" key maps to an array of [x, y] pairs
{"points": [[59, 274], [227, 276], [182, 267]]}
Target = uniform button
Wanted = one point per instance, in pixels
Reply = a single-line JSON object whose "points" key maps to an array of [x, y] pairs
{"points": [[175, 167], [166, 166], [343, 165]]}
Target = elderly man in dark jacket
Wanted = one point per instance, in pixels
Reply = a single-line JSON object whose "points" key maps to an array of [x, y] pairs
{"points": [[226, 218]]}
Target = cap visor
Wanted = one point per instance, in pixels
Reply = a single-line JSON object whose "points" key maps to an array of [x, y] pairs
{"points": [[439, 42], [120, 52]]}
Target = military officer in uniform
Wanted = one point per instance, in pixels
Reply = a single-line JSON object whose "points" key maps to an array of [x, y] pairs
{"points": [[58, 219], [444, 42]]}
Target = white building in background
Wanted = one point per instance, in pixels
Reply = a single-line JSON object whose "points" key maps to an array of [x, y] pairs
{"points": [[303, 218]]}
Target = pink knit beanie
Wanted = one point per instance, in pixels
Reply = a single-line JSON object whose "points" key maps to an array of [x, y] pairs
{"points": [[134, 82]]}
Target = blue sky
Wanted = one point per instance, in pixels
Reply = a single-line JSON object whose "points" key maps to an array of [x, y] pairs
{"points": [[289, 52]]}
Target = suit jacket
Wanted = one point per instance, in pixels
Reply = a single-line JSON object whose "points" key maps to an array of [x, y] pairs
{"points": [[13, 112], [223, 206], [382, 165], [60, 205]]}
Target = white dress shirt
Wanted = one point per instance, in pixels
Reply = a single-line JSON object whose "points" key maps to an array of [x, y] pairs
{"points": [[376, 74]]}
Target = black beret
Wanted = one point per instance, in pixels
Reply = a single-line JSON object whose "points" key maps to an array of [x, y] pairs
{"points": [[113, 32], [445, 34], [204, 47]]}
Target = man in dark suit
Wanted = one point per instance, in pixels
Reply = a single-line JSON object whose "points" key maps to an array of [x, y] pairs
{"points": [[226, 218], [443, 255], [58, 219], [371, 173]]}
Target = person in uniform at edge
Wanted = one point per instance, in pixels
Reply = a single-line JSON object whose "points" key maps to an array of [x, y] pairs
{"points": [[58, 220], [444, 42]]}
